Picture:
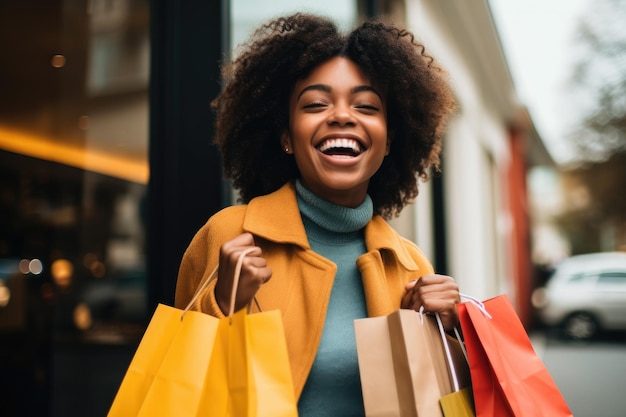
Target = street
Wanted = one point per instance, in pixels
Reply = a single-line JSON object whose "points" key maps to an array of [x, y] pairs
{"points": [[591, 375]]}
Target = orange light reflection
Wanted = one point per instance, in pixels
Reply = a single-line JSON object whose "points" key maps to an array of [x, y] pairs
{"points": [[40, 147]]}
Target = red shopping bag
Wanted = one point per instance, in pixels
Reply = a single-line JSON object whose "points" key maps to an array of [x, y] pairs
{"points": [[508, 378]]}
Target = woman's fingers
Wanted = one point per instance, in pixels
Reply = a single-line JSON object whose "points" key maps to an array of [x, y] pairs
{"points": [[434, 294], [254, 272]]}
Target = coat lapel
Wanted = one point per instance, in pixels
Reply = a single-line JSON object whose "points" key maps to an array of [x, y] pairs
{"points": [[276, 217]]}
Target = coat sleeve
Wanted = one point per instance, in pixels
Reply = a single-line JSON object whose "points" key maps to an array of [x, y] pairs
{"points": [[202, 257]]}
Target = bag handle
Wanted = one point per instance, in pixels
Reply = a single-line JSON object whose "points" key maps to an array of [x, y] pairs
{"points": [[233, 293], [199, 291], [461, 343], [446, 348], [479, 304], [444, 339]]}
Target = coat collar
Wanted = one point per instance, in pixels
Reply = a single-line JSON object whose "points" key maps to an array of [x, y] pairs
{"points": [[276, 217]]}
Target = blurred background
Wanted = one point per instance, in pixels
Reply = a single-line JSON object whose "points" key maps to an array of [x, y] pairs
{"points": [[107, 171]]}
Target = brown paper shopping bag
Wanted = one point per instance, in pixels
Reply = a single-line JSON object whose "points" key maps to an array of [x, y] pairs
{"points": [[402, 364]]}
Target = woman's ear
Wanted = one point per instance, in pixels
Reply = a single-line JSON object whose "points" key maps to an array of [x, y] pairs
{"points": [[285, 142]]}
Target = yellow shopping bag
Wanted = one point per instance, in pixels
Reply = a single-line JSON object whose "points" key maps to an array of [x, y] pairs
{"points": [[458, 404], [249, 374], [167, 372], [191, 364]]}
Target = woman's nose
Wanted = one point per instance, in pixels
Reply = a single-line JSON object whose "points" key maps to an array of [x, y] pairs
{"points": [[341, 115]]}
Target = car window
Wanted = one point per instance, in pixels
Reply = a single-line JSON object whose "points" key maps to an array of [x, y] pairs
{"points": [[612, 278], [582, 278]]}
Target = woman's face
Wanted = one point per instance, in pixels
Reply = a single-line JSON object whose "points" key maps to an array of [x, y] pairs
{"points": [[337, 131]]}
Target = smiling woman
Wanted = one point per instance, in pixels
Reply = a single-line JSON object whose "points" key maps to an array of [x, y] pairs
{"points": [[263, 78], [337, 131], [325, 135]]}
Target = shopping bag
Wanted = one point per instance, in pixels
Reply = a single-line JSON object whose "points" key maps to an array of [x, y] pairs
{"points": [[167, 372], [508, 378], [459, 403], [185, 354], [402, 365], [249, 374]]}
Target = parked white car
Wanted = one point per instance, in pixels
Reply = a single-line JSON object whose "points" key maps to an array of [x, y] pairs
{"points": [[586, 294]]}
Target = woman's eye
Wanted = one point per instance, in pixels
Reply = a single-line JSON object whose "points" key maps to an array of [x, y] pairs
{"points": [[314, 105], [367, 108]]}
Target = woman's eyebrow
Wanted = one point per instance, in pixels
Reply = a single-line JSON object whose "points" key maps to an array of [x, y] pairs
{"points": [[360, 88], [319, 87], [328, 89]]}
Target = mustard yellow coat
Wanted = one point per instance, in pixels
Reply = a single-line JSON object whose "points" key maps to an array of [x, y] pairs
{"points": [[301, 279]]}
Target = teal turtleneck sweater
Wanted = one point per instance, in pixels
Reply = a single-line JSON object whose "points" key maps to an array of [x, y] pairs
{"points": [[335, 232]]}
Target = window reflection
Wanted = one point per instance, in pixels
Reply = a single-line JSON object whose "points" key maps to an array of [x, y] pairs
{"points": [[73, 137], [74, 82]]}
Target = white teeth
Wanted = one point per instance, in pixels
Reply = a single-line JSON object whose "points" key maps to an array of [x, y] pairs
{"points": [[341, 143]]}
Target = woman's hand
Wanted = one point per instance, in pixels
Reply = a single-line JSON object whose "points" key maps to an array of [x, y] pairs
{"points": [[254, 272], [437, 294]]}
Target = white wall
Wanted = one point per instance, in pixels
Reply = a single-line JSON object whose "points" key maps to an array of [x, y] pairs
{"points": [[475, 148]]}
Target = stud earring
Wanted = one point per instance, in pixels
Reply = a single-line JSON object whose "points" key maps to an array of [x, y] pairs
{"points": [[286, 149]]}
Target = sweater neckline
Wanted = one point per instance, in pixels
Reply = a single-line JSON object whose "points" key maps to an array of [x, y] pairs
{"points": [[330, 216]]}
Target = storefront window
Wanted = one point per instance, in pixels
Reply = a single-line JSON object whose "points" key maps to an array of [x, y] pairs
{"points": [[74, 81]]}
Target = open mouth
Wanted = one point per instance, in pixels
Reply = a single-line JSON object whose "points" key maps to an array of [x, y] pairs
{"points": [[341, 147]]}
